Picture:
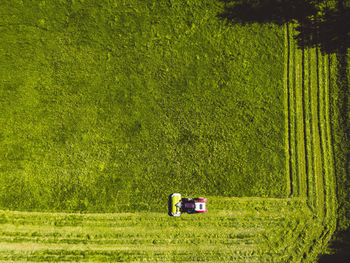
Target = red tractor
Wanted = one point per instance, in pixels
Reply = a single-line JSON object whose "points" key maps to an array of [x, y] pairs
{"points": [[178, 205]]}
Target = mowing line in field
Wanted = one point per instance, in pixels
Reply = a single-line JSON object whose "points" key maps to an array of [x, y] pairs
{"points": [[331, 166], [300, 136], [315, 132], [330, 123], [304, 138], [324, 184], [237, 246], [125, 255], [319, 128], [313, 196], [305, 85], [240, 233], [322, 128], [329, 194], [292, 114], [296, 117], [308, 130], [300, 123], [33, 246], [316, 136], [287, 112]]}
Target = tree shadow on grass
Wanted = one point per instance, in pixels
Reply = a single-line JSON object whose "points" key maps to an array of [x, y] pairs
{"points": [[266, 11], [341, 245], [319, 25], [326, 25]]}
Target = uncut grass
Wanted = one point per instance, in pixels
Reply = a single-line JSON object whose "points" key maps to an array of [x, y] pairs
{"points": [[112, 106], [339, 118]]}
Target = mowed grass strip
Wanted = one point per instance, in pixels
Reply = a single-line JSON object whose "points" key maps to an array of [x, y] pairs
{"points": [[32, 246], [229, 239], [329, 186], [161, 245], [310, 234], [296, 238], [312, 85], [235, 230], [307, 126], [300, 148], [328, 217], [132, 256], [329, 61], [296, 108], [323, 129], [317, 154], [292, 114], [217, 206], [239, 236]]}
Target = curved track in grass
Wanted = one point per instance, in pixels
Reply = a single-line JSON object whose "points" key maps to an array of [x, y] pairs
{"points": [[310, 165]]}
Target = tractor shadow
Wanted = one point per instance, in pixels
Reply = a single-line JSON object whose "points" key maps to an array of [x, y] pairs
{"points": [[169, 205]]}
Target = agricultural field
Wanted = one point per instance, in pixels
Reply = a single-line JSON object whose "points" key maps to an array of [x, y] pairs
{"points": [[235, 229], [100, 123], [112, 106]]}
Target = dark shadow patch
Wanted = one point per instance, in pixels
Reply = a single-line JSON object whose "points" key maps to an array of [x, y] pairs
{"points": [[319, 25]]}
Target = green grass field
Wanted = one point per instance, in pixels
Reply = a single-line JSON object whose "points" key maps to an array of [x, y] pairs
{"points": [[109, 108], [112, 106], [242, 230]]}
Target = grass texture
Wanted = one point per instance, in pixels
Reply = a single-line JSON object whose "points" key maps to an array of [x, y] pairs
{"points": [[240, 229], [112, 106], [245, 229]]}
